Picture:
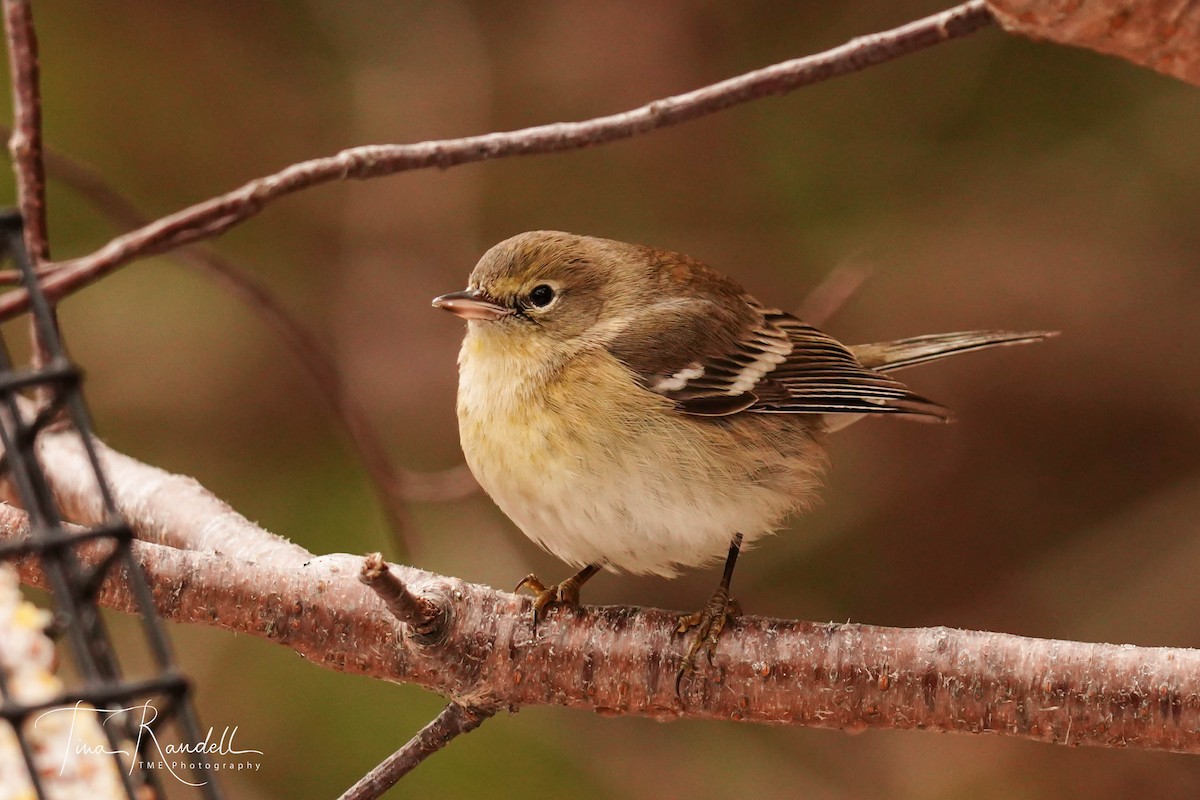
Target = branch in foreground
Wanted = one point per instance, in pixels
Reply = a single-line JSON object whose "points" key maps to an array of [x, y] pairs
{"points": [[214, 216], [453, 721], [619, 660]]}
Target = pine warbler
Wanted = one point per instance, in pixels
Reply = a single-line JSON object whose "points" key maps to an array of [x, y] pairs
{"points": [[633, 409]]}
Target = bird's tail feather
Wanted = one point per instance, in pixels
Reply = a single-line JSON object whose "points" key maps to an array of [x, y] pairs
{"points": [[888, 356]]}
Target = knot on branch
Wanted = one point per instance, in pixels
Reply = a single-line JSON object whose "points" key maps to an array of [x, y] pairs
{"points": [[426, 616]]}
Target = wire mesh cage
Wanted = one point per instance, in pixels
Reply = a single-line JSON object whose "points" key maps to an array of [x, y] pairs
{"points": [[127, 717]]}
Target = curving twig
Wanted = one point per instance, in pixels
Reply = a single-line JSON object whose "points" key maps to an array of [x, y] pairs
{"points": [[453, 721], [393, 486], [426, 619], [219, 214]]}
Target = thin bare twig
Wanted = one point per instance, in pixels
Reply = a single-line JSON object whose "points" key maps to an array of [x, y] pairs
{"points": [[454, 720], [218, 214], [393, 486], [25, 142]]}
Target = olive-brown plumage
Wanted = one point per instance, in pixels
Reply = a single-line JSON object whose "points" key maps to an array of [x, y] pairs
{"points": [[633, 409]]}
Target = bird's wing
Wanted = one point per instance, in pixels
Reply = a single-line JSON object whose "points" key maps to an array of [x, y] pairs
{"points": [[714, 360], [821, 376]]}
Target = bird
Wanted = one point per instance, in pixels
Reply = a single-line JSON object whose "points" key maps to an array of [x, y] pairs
{"points": [[633, 409]]}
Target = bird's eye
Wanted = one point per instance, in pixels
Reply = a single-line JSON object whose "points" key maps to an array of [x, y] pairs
{"points": [[541, 295]]}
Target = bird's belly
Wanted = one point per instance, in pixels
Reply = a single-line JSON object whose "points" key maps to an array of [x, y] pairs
{"points": [[633, 496], [626, 513]]}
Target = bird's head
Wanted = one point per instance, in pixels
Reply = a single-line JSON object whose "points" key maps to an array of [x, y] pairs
{"points": [[562, 289]]}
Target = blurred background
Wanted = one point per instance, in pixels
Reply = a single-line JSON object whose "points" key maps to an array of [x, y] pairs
{"points": [[988, 183]]}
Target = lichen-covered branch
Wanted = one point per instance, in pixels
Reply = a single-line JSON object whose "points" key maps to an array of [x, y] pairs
{"points": [[216, 215], [485, 652]]}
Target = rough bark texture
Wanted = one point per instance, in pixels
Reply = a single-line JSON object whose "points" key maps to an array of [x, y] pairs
{"points": [[1161, 34], [619, 660]]}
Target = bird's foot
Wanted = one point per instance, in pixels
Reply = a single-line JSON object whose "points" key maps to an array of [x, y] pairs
{"points": [[565, 594], [708, 623]]}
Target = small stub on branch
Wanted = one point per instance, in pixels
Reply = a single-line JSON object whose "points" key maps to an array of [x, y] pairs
{"points": [[425, 616], [1161, 34]]}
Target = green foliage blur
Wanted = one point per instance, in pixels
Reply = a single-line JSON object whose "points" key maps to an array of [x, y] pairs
{"points": [[988, 183]]}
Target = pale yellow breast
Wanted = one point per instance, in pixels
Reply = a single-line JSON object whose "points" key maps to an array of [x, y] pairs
{"points": [[597, 469], [523, 416]]}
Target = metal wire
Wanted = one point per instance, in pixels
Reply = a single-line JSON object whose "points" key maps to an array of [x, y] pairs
{"points": [[74, 586]]}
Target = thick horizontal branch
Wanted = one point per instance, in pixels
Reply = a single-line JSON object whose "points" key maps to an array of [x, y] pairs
{"points": [[214, 216], [485, 652], [618, 660]]}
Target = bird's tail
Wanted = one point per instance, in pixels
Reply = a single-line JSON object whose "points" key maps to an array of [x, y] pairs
{"points": [[887, 356]]}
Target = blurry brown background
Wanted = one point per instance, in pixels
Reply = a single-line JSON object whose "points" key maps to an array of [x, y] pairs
{"points": [[990, 182]]}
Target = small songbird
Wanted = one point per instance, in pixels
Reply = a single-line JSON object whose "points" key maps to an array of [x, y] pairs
{"points": [[633, 409]]}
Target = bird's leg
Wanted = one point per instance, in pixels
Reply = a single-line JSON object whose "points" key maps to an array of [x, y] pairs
{"points": [[710, 620], [559, 594]]}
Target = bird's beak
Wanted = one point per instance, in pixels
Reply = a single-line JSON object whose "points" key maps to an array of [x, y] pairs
{"points": [[471, 304]]}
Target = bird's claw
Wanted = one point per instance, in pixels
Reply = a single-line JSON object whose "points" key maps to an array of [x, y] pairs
{"points": [[708, 622], [557, 594]]}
